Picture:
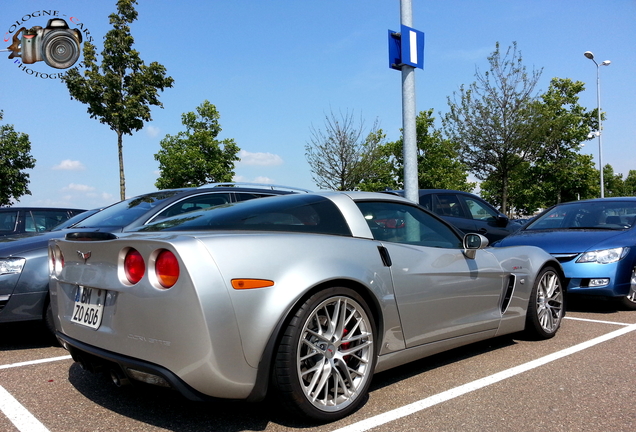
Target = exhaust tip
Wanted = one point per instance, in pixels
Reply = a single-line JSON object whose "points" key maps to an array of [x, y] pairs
{"points": [[118, 378]]}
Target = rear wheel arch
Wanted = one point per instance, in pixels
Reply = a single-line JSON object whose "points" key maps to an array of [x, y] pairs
{"points": [[267, 363]]}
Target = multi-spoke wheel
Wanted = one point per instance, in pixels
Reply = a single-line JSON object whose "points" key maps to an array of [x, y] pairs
{"points": [[326, 357], [546, 307], [629, 301]]}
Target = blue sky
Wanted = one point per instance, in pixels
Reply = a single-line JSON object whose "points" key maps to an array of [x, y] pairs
{"points": [[274, 69]]}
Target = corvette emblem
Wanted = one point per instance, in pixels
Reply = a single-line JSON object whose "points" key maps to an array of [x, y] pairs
{"points": [[84, 255]]}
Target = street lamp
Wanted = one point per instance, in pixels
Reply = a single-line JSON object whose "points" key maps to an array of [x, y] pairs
{"points": [[589, 55]]}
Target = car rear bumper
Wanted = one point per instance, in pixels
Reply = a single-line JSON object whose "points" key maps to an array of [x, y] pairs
{"points": [[123, 369]]}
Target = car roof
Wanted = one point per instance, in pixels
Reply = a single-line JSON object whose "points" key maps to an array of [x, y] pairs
{"points": [[13, 208], [601, 200]]}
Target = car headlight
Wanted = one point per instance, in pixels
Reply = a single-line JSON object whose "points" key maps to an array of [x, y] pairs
{"points": [[11, 265], [606, 256]]}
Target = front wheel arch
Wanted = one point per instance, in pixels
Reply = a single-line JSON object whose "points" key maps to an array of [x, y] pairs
{"points": [[546, 305]]}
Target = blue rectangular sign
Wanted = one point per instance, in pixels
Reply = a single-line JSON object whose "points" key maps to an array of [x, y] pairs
{"points": [[406, 48], [412, 47]]}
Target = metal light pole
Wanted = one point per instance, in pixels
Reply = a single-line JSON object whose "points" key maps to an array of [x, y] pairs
{"points": [[589, 55], [409, 133]]}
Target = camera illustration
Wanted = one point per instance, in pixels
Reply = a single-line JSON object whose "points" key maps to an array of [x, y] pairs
{"points": [[56, 44]]}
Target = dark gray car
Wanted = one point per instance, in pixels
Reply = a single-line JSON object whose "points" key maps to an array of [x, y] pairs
{"points": [[24, 258], [467, 212], [18, 220]]}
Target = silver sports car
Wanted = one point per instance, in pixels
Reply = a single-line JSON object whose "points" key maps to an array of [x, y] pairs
{"points": [[304, 295]]}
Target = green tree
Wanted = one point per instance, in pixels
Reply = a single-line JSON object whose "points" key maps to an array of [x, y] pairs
{"points": [[340, 155], [120, 91], [630, 183], [490, 121], [558, 173], [438, 161], [15, 157], [195, 157], [613, 183]]}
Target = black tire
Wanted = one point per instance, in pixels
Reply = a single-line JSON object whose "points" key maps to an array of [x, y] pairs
{"points": [[546, 307], [48, 318], [629, 301], [325, 360]]}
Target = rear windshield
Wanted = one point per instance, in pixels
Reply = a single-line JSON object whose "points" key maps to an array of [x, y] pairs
{"points": [[613, 215], [126, 212], [295, 213]]}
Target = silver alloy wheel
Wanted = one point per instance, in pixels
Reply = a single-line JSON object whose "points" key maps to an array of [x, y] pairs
{"points": [[334, 354], [549, 301]]}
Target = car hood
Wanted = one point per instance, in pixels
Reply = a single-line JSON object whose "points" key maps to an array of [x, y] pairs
{"points": [[570, 241], [22, 243]]}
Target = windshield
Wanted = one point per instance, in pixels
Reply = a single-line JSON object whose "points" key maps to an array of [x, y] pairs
{"points": [[75, 219], [296, 213], [612, 215], [126, 212]]}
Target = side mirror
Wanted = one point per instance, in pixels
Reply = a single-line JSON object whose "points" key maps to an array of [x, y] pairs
{"points": [[502, 220], [472, 243]]}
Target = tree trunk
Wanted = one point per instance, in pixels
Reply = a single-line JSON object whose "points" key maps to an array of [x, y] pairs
{"points": [[122, 178]]}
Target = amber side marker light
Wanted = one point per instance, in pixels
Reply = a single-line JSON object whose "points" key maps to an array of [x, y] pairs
{"points": [[240, 284]]}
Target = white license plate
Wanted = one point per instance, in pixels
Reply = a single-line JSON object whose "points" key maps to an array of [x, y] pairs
{"points": [[89, 306]]}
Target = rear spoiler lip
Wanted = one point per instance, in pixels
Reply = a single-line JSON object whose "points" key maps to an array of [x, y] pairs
{"points": [[90, 236]]}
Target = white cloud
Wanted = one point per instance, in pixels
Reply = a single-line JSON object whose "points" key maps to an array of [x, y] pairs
{"points": [[79, 187], [152, 131], [262, 179], [70, 165], [261, 159]]}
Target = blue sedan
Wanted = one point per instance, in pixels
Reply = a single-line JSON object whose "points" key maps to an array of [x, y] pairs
{"points": [[595, 242]]}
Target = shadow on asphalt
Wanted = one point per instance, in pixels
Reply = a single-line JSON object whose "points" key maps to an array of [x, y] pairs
{"points": [[594, 304], [167, 409], [25, 335]]}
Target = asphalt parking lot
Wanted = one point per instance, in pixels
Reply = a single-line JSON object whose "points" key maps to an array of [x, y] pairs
{"points": [[581, 380]]}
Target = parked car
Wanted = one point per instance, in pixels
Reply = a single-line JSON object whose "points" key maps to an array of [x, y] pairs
{"points": [[467, 212], [23, 258], [595, 242], [306, 294], [17, 220]]}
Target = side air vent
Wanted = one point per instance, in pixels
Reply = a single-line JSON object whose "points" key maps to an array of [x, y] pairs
{"points": [[509, 290]]}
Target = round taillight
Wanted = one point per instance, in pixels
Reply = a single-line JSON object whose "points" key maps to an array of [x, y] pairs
{"points": [[134, 266], [167, 269]]}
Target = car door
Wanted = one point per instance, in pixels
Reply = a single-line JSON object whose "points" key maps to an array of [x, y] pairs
{"points": [[488, 221], [449, 207], [440, 292]]}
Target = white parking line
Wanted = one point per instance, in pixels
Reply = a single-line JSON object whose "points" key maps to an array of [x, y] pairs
{"points": [[407, 410], [32, 362], [21, 418], [597, 321]]}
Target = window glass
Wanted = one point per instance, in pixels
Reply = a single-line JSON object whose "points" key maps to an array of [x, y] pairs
{"points": [[125, 212], [192, 203], [295, 213], [479, 210], [448, 205], [588, 215], [425, 201], [402, 223], [8, 221], [244, 196], [46, 220]]}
